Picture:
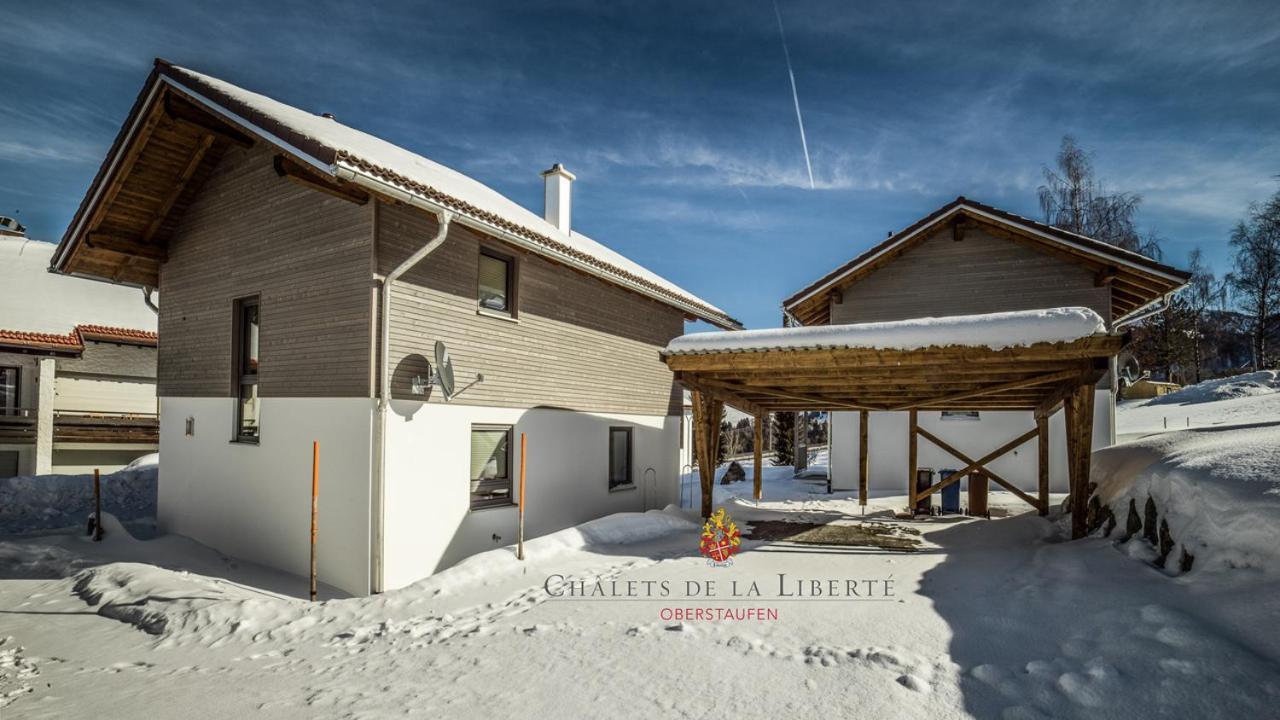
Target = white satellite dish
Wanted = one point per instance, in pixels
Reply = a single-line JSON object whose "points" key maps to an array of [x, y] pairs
{"points": [[444, 370]]}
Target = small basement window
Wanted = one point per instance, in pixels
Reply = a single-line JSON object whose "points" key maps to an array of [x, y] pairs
{"points": [[490, 466], [960, 415], [248, 405], [496, 286], [619, 458]]}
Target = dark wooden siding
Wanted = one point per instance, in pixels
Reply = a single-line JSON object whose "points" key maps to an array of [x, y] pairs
{"points": [[579, 343], [307, 254], [979, 274], [112, 359]]}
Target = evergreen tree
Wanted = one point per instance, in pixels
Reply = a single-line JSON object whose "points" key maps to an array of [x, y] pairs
{"points": [[784, 433]]}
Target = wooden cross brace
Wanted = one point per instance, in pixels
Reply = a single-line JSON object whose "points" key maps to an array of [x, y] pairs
{"points": [[979, 465]]}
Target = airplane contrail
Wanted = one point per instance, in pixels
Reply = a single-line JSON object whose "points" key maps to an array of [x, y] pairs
{"points": [[795, 96]]}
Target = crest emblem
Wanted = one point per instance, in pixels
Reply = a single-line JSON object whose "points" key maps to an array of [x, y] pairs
{"points": [[720, 539]]}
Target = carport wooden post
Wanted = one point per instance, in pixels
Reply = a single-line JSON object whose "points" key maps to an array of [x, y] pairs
{"points": [[1078, 411], [1042, 462], [758, 446], [912, 457], [863, 460], [706, 432]]}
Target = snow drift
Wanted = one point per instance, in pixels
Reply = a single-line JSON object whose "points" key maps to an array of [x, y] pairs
{"points": [[30, 503], [1264, 382], [1218, 489], [186, 608]]}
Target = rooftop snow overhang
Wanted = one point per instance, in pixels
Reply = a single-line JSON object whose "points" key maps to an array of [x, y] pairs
{"points": [[1020, 361], [1136, 281], [180, 125]]}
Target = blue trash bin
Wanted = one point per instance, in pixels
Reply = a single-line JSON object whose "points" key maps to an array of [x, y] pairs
{"points": [[950, 493]]}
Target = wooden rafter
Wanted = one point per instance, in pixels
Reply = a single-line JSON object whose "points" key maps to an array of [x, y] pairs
{"points": [[179, 184], [295, 171], [992, 389]]}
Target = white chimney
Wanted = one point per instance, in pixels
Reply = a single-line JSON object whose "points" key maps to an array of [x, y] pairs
{"points": [[557, 204]]}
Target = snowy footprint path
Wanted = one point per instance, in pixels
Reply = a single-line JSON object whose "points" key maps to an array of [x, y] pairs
{"points": [[1080, 630]]}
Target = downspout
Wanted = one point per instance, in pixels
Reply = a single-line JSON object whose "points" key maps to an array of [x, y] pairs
{"points": [[443, 218], [1159, 306], [146, 298]]}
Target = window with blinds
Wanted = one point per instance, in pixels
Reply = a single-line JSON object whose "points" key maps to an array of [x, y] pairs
{"points": [[495, 284], [9, 391], [490, 466], [619, 457]]}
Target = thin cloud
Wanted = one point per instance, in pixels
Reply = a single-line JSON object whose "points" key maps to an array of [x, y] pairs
{"points": [[795, 95]]}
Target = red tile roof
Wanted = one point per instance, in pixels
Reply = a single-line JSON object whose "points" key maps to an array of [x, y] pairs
{"points": [[117, 334], [41, 341], [73, 342]]}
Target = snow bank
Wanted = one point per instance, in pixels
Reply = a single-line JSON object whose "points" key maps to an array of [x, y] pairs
{"points": [[1253, 384], [993, 330], [1218, 489], [30, 503], [186, 608]]}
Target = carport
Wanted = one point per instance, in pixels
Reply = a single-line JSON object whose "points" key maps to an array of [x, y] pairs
{"points": [[1037, 361]]}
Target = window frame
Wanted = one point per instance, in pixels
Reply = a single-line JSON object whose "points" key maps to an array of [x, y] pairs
{"points": [[491, 503], [17, 391], [239, 377], [513, 284], [629, 483]]}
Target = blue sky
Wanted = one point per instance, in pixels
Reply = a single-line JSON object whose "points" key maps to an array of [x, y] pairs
{"points": [[678, 118]]}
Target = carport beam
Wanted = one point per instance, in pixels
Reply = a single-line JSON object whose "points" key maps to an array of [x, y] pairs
{"points": [[863, 459], [1042, 462], [758, 446], [912, 456]]}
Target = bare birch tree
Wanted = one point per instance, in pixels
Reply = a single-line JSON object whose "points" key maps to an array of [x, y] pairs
{"points": [[1255, 280], [1073, 199]]}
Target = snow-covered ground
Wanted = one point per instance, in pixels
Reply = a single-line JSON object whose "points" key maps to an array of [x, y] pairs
{"points": [[986, 619], [1248, 398]]}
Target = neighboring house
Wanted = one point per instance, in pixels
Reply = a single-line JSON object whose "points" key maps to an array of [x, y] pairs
{"points": [[277, 238], [1146, 388], [77, 367], [970, 258]]}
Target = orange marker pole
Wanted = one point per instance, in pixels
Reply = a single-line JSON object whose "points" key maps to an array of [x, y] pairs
{"points": [[315, 507], [520, 539]]}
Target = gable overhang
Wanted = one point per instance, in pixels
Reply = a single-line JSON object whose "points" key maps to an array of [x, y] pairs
{"points": [[343, 171], [1157, 281]]}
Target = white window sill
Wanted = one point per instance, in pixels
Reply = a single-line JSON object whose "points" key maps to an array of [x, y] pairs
{"points": [[497, 315], [621, 488]]}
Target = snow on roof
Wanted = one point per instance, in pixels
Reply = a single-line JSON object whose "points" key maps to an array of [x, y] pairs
{"points": [[38, 301], [369, 155], [995, 331]]}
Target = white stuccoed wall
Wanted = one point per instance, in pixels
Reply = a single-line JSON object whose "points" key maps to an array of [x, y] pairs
{"points": [[429, 524], [887, 446], [254, 502]]}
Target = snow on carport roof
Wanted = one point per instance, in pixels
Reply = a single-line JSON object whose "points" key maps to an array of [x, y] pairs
{"points": [[330, 144], [995, 331]]}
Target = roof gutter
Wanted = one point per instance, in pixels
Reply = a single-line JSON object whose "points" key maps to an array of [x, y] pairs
{"points": [[443, 219], [1154, 307], [382, 187]]}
